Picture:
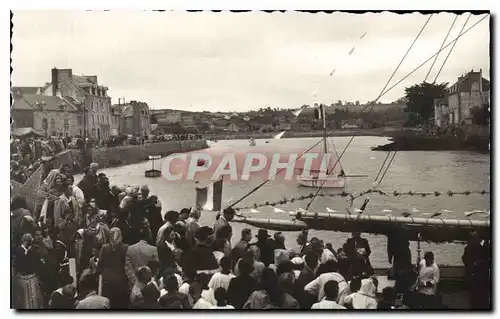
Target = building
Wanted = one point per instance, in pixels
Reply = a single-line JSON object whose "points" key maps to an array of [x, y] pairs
{"points": [[91, 97], [471, 91], [233, 128], [51, 115], [441, 113], [167, 116], [136, 118]]}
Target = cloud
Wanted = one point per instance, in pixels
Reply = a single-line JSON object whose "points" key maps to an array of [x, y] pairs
{"points": [[226, 61]]}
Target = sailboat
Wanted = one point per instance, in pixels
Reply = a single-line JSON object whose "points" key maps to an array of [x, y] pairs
{"points": [[328, 179]]}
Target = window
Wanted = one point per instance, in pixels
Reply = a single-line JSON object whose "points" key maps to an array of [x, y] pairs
{"points": [[52, 123], [66, 124], [93, 119]]}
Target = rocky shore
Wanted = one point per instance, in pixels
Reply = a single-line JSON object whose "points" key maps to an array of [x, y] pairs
{"points": [[433, 143]]}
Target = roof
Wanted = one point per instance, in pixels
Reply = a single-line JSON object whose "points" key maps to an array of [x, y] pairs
{"points": [[79, 79], [25, 89], [25, 131], [49, 103]]}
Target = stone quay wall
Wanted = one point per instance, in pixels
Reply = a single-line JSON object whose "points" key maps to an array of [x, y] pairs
{"points": [[131, 154]]}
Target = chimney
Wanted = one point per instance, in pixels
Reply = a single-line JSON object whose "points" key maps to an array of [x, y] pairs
{"points": [[55, 81]]}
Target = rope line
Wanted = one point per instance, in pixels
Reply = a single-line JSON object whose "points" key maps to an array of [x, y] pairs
{"points": [[379, 96], [451, 50], [267, 180], [353, 196], [444, 41]]}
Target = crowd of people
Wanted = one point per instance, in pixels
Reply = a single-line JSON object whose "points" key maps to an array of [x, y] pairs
{"points": [[96, 246]]}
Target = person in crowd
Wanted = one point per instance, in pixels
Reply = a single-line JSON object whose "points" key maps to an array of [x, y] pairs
{"points": [[150, 296], [307, 275], [88, 184], [201, 256], [344, 264], [223, 278], [281, 256], [428, 279], [111, 268], [219, 248], [192, 227], [173, 299], [224, 233], [63, 298], [171, 217], [266, 247], [331, 296], [166, 249], [91, 300], [224, 219], [241, 287], [279, 240], [222, 299], [390, 300], [139, 255], [355, 285], [399, 255], [144, 276], [77, 192], [181, 241], [121, 222], [207, 293], [303, 242], [358, 251], [29, 291], [286, 282], [253, 257], [317, 286], [195, 291], [152, 209], [67, 216], [45, 267], [184, 214], [189, 276], [365, 297], [323, 253], [242, 245]]}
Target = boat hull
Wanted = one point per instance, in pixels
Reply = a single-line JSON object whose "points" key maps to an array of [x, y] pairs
{"points": [[332, 182]]}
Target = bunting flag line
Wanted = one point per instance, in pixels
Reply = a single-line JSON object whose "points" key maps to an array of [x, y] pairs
{"points": [[350, 197]]}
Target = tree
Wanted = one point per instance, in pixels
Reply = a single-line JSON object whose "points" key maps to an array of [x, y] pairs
{"points": [[339, 102], [419, 100], [153, 119], [357, 103]]}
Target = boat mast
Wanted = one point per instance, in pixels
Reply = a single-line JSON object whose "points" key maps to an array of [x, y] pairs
{"points": [[323, 113]]}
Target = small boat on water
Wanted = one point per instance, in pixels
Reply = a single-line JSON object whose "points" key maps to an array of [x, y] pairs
{"points": [[328, 179], [153, 172], [252, 142]]}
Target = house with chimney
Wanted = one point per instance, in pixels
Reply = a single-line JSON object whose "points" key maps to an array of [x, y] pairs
{"points": [[469, 93], [90, 96], [135, 118], [49, 115]]}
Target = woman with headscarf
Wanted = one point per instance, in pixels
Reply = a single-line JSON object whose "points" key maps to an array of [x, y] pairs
{"points": [[365, 297], [166, 248], [111, 268], [45, 265], [280, 256], [96, 233], [270, 293], [29, 293]]}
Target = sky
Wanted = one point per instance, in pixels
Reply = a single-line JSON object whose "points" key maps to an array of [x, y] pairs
{"points": [[241, 61]]}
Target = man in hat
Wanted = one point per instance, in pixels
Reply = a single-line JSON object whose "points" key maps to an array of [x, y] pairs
{"points": [[266, 246], [323, 254], [224, 219], [202, 255], [192, 226]]}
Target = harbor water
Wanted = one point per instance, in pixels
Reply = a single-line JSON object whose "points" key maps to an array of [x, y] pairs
{"points": [[417, 171]]}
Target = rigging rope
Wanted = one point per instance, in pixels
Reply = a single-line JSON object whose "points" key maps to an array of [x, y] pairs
{"points": [[381, 167], [442, 66], [379, 96], [267, 180], [415, 70], [444, 41], [451, 50]]}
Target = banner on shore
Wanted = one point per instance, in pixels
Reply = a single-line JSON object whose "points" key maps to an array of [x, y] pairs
{"points": [[209, 197]]}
